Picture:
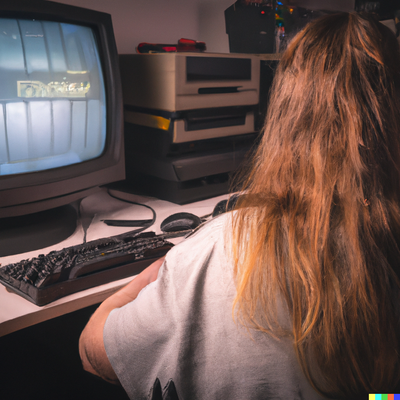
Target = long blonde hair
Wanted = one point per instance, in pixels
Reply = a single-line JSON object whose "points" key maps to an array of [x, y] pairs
{"points": [[319, 225]]}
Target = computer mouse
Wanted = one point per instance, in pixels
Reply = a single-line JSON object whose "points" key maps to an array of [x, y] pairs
{"points": [[225, 205], [180, 222]]}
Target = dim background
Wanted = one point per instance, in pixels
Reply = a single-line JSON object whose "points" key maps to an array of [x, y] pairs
{"points": [[166, 21]]}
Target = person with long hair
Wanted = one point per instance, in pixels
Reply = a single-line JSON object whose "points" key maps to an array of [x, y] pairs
{"points": [[296, 293]]}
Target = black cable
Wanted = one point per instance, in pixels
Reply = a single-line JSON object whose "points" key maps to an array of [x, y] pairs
{"points": [[86, 222], [143, 223]]}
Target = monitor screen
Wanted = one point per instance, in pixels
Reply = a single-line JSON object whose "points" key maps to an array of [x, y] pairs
{"points": [[52, 102]]}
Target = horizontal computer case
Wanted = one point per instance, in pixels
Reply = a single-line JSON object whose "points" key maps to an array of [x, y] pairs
{"points": [[191, 120]]}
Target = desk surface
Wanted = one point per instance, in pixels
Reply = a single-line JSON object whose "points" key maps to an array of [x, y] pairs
{"points": [[17, 313]]}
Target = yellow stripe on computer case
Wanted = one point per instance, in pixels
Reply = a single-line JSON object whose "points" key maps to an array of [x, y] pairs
{"points": [[149, 120]]}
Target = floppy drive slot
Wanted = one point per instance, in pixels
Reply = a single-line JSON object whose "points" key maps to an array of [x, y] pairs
{"points": [[213, 126], [215, 121], [215, 90]]}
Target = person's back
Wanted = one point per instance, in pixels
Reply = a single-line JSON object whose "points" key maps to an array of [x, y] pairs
{"points": [[181, 328]]}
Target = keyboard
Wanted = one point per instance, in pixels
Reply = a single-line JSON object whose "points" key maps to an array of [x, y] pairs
{"points": [[46, 278]]}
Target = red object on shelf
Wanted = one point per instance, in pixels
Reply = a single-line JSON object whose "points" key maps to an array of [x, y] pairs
{"points": [[188, 45]]}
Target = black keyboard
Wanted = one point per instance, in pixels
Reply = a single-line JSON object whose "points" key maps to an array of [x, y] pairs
{"points": [[46, 278]]}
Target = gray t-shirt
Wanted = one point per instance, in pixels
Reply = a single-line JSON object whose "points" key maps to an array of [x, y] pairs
{"points": [[180, 327]]}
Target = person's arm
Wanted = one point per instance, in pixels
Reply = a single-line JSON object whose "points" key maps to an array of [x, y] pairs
{"points": [[91, 345]]}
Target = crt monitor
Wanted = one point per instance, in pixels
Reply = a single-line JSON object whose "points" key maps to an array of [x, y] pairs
{"points": [[60, 116]]}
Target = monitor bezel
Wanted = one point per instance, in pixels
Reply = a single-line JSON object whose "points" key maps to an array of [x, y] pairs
{"points": [[19, 191]]}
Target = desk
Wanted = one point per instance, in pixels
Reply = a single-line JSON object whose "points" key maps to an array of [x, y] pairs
{"points": [[17, 313]]}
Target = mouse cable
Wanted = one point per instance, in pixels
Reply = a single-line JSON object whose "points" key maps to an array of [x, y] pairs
{"points": [[143, 223]]}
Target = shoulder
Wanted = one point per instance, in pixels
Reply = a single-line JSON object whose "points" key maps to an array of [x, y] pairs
{"points": [[213, 227], [208, 238], [194, 265]]}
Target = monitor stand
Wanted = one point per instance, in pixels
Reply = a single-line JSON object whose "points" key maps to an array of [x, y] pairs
{"points": [[36, 231]]}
